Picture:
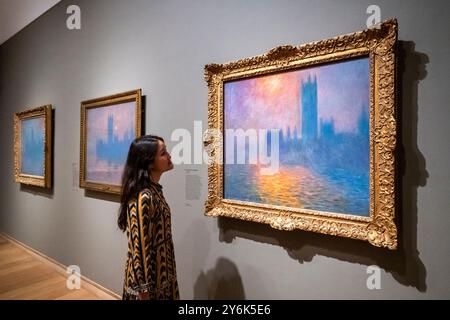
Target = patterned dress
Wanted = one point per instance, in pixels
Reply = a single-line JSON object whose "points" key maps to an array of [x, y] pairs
{"points": [[150, 264]]}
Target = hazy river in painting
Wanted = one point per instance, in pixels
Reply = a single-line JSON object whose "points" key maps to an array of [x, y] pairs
{"points": [[101, 171], [301, 187]]}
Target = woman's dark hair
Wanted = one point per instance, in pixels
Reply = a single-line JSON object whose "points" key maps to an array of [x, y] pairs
{"points": [[135, 176]]}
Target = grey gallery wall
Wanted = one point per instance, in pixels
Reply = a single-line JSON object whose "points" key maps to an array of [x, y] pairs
{"points": [[162, 47]]}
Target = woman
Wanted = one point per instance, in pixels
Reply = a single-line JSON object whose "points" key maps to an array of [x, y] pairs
{"points": [[150, 271]]}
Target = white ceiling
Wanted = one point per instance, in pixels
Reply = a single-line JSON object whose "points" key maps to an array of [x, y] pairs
{"points": [[16, 14]]}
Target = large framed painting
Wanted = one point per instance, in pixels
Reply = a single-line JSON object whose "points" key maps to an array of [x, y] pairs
{"points": [[304, 137], [33, 147], [108, 126]]}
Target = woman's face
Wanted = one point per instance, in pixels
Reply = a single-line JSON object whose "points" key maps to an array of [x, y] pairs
{"points": [[162, 161]]}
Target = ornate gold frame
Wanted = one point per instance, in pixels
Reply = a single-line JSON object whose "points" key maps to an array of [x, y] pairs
{"points": [[134, 95], [46, 180], [379, 43]]}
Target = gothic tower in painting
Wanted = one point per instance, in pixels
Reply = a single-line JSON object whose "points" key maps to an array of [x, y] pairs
{"points": [[110, 129], [309, 109]]}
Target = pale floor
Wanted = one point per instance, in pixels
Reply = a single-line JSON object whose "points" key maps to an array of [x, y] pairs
{"points": [[24, 277]]}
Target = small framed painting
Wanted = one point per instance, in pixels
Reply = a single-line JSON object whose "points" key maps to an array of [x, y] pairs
{"points": [[33, 147], [108, 126]]}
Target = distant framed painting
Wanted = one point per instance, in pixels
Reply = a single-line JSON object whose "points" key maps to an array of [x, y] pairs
{"points": [[33, 147], [304, 137], [108, 126]]}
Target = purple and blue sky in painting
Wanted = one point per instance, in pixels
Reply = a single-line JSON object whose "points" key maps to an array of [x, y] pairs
{"points": [[97, 120], [108, 144], [273, 101]]}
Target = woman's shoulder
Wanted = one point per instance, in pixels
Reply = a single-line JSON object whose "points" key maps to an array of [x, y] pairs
{"points": [[146, 193]]}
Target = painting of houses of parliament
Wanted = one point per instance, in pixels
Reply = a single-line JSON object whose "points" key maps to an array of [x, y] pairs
{"points": [[114, 150], [319, 144], [322, 114], [110, 132]]}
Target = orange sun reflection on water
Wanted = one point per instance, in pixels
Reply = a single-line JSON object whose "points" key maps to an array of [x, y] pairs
{"points": [[279, 189], [289, 185]]}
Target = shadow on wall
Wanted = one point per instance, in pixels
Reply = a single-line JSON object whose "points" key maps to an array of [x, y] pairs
{"points": [[102, 195], [221, 283], [404, 263], [37, 191]]}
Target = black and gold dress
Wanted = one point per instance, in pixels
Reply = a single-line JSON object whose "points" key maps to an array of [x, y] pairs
{"points": [[150, 264]]}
